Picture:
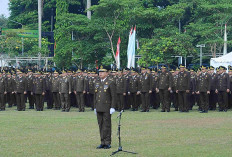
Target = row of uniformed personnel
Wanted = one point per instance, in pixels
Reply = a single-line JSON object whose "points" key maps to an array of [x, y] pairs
{"points": [[150, 88]]}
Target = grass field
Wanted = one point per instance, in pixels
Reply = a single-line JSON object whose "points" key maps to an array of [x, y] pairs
{"points": [[59, 134]]}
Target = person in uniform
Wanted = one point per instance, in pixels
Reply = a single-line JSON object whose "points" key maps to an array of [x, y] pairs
{"points": [[120, 90], [126, 80], [192, 100], [9, 89], [145, 89], [79, 90], [213, 95], [73, 100], [183, 89], [30, 97], [39, 91], [20, 89], [65, 91], [104, 106], [13, 93], [153, 95], [223, 88], [55, 81], [203, 89], [2, 93], [48, 93], [164, 87], [86, 88], [230, 94], [90, 91], [174, 86], [133, 89]]}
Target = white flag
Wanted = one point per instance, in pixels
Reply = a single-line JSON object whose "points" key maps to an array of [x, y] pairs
{"points": [[129, 54], [133, 40]]}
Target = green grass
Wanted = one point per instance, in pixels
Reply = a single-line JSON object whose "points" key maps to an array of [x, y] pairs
{"points": [[58, 134]]}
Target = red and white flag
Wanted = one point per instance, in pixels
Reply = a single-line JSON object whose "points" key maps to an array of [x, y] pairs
{"points": [[117, 56]]}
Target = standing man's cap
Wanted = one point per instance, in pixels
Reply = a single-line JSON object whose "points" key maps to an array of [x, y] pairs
{"points": [[143, 68], [163, 67], [203, 67], [104, 68], [181, 66], [212, 68]]}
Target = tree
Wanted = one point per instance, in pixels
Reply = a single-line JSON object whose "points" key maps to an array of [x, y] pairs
{"points": [[208, 21], [3, 21]]}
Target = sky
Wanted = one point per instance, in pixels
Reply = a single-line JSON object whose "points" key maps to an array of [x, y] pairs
{"points": [[4, 8]]}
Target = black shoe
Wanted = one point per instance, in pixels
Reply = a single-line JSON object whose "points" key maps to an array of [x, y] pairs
{"points": [[225, 110], [168, 110], [133, 109], [162, 110], [63, 111], [67, 110], [147, 111], [143, 111], [23, 109], [176, 109], [100, 146], [2, 109], [107, 146], [202, 111]]}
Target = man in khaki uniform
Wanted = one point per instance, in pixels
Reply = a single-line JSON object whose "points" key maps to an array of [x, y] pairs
{"points": [[120, 90], [2, 93], [230, 94], [164, 87], [79, 90], [145, 89], [20, 89], [203, 89], [153, 97], [133, 89], [213, 95], [10, 89], [55, 81], [104, 104], [174, 86], [30, 89], [65, 90], [183, 89], [91, 89], [223, 88], [39, 91]]}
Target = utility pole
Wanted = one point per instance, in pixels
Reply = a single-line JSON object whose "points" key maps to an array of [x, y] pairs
{"points": [[40, 28], [88, 11], [202, 45]]}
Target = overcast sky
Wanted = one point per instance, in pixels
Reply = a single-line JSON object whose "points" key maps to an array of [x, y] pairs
{"points": [[4, 8]]}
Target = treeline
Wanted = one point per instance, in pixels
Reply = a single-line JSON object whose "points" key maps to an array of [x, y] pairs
{"points": [[165, 28]]}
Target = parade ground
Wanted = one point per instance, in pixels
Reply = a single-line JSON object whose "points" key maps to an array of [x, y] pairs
{"points": [[53, 133]]}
